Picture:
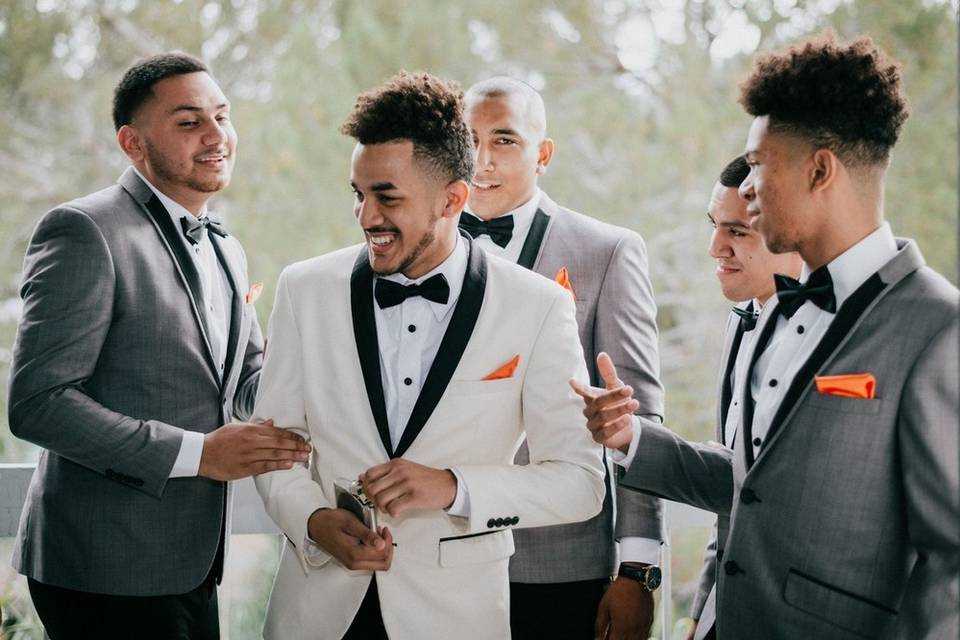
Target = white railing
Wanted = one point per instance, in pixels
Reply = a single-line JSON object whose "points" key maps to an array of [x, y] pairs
{"points": [[250, 517]]}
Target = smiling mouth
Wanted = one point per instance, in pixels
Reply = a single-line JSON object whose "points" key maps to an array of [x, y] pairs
{"points": [[381, 242], [211, 160], [483, 186]]}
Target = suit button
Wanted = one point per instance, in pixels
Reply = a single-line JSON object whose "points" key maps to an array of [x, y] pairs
{"points": [[731, 568], [515, 520], [747, 496], [499, 522], [137, 482], [491, 523]]}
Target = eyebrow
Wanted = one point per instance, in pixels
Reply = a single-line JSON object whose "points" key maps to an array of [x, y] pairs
{"points": [[195, 109], [735, 224], [377, 186], [506, 132]]}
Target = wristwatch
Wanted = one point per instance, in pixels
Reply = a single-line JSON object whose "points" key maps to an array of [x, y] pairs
{"points": [[649, 576]]}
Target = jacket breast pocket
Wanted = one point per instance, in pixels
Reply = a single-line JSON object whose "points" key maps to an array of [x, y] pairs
{"points": [[478, 548], [481, 387], [856, 614], [844, 404]]}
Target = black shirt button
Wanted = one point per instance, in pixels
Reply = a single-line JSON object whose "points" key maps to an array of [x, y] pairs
{"points": [[747, 496], [411, 328], [800, 329], [773, 382], [407, 381], [757, 442], [731, 568]]}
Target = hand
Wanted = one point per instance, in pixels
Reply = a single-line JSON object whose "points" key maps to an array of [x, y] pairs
{"points": [[625, 612], [238, 450], [400, 485], [609, 411], [342, 535], [693, 631]]}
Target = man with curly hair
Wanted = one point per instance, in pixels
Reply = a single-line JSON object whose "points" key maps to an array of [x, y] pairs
{"points": [[416, 363], [842, 487]]}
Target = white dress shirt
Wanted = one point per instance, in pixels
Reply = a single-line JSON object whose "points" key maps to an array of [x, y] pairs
{"points": [[632, 549], [216, 311], [794, 340], [522, 219]]}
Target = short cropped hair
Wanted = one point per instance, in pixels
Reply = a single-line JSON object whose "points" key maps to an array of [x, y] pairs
{"points": [[734, 173], [421, 108], [845, 98], [136, 86]]}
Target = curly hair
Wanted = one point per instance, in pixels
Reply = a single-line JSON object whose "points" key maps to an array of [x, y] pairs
{"points": [[845, 98], [421, 108], [136, 86]]}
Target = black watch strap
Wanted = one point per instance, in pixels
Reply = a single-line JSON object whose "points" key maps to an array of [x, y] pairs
{"points": [[649, 576]]}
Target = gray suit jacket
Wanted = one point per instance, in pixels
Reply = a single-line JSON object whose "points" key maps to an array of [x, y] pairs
{"points": [[616, 313], [845, 526], [111, 363], [703, 608]]}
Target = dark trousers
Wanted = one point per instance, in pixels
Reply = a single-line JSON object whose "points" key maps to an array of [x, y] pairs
{"points": [[368, 623], [68, 614], [556, 610]]}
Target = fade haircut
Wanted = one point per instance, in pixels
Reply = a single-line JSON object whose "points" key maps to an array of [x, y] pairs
{"points": [[421, 108], [845, 98], [734, 173], [505, 86], [136, 86]]}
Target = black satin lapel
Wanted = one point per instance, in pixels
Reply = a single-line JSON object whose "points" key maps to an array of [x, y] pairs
{"points": [[368, 349], [236, 306], [531, 246], [847, 316], [746, 420], [451, 347], [726, 393], [187, 270]]}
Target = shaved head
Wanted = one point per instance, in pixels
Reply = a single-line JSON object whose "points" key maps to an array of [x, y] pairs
{"points": [[524, 97]]}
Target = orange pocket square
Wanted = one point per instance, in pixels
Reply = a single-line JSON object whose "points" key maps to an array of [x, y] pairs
{"points": [[854, 385], [255, 290], [563, 279], [506, 371]]}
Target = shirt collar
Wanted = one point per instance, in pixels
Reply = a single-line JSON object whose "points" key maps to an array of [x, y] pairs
{"points": [[454, 269], [854, 266], [174, 208], [522, 215]]}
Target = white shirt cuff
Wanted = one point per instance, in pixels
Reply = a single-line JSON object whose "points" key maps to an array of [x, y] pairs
{"points": [[187, 464], [314, 553], [640, 550], [625, 459], [461, 503]]}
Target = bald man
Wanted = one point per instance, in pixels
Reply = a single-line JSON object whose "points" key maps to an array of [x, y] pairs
{"points": [[560, 576]]}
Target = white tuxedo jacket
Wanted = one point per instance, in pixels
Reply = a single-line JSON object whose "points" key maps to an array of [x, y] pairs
{"points": [[322, 377]]}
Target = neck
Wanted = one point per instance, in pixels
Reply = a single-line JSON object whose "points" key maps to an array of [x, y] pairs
{"points": [[491, 215], [187, 198], [442, 249]]}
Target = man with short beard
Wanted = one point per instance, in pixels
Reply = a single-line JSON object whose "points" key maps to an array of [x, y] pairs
{"points": [[138, 340], [842, 487]]}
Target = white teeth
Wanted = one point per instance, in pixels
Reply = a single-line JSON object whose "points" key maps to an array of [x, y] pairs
{"points": [[381, 240], [484, 185]]}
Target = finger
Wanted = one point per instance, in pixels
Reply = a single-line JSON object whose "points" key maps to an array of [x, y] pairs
{"points": [[607, 398], [387, 536], [614, 412], [267, 466], [267, 430], [276, 442], [603, 621], [581, 390], [386, 498], [367, 537], [375, 473], [608, 371]]}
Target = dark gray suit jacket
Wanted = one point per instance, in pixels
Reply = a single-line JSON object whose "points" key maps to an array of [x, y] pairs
{"points": [[616, 313], [111, 363], [846, 524]]}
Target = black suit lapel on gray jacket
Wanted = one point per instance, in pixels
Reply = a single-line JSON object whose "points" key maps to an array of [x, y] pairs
{"points": [[531, 246], [451, 349], [187, 270], [236, 307], [726, 389], [846, 317], [368, 348]]}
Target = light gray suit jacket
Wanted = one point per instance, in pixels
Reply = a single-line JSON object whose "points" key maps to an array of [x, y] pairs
{"points": [[846, 525], [616, 313], [111, 363]]}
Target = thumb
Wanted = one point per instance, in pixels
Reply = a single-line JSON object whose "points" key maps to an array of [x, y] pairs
{"points": [[602, 624], [607, 371]]}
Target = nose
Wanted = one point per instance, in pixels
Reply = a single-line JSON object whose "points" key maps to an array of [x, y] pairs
{"points": [[719, 247], [215, 133], [484, 157], [367, 213], [746, 190]]}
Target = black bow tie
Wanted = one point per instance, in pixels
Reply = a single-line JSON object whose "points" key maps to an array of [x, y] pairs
{"points": [[193, 228], [499, 229], [389, 293], [748, 317], [818, 289]]}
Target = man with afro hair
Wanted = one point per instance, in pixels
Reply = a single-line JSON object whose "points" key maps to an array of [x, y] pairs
{"points": [[415, 363], [842, 486]]}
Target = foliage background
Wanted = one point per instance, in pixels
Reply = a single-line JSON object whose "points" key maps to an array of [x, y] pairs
{"points": [[641, 100]]}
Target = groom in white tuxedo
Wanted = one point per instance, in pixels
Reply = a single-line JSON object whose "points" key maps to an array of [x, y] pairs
{"points": [[416, 364]]}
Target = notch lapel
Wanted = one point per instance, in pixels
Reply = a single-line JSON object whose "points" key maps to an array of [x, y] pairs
{"points": [[236, 306], [729, 360], [168, 232], [451, 347], [368, 348], [531, 246]]}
